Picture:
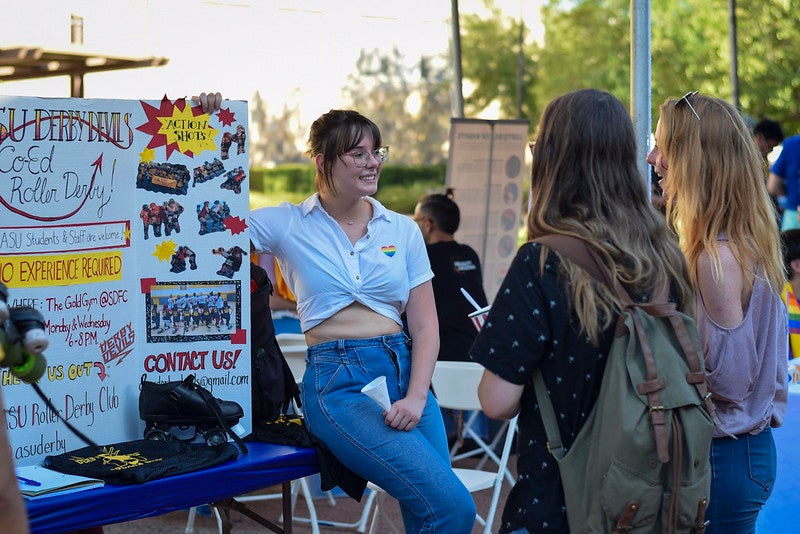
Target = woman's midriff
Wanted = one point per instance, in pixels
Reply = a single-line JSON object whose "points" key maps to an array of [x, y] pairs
{"points": [[356, 321]]}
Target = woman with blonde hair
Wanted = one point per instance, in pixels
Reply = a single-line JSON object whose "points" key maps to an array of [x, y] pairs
{"points": [[552, 315], [713, 181]]}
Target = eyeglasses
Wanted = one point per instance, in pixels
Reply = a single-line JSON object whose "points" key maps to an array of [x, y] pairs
{"points": [[685, 98], [361, 158]]}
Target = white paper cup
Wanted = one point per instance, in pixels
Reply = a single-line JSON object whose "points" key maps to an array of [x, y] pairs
{"points": [[478, 317], [377, 391]]}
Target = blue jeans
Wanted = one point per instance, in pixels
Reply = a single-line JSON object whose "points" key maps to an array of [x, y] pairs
{"points": [[412, 466], [742, 478]]}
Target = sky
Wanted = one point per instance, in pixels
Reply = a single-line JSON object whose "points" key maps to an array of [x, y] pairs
{"points": [[284, 49]]}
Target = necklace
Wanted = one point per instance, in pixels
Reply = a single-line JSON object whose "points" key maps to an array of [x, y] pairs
{"points": [[350, 222]]}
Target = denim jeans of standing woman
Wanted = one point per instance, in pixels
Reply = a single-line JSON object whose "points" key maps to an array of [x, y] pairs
{"points": [[412, 466], [742, 477]]}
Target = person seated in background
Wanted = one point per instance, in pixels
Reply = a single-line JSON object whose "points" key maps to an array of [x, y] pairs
{"points": [[455, 266], [282, 297]]}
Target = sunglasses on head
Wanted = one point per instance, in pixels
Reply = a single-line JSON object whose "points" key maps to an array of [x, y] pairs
{"points": [[685, 99]]}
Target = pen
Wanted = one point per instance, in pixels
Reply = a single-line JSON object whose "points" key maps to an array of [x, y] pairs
{"points": [[28, 481]]}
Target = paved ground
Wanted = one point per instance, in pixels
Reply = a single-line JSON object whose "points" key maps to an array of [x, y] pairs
{"points": [[344, 510]]}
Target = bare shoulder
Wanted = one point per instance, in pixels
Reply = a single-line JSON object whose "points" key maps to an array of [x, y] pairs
{"points": [[722, 289]]}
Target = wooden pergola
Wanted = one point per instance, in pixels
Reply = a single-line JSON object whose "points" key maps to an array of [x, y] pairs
{"points": [[26, 62]]}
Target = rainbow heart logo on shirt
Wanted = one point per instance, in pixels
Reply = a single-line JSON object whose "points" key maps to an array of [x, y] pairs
{"points": [[389, 251]]}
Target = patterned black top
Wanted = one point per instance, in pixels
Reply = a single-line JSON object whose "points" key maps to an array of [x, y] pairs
{"points": [[531, 324]]}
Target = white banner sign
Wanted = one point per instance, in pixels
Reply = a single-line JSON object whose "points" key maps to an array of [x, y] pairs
{"points": [[124, 223], [486, 170]]}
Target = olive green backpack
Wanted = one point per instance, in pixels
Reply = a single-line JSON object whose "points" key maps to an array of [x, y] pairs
{"points": [[640, 462]]}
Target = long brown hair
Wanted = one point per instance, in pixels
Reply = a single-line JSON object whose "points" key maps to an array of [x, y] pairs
{"points": [[585, 183]]}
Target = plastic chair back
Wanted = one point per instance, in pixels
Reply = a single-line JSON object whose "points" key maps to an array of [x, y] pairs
{"points": [[455, 385]]}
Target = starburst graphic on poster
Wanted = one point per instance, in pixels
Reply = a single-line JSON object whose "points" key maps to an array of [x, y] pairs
{"points": [[226, 116], [178, 127], [192, 134], [235, 224], [147, 155], [165, 250]]}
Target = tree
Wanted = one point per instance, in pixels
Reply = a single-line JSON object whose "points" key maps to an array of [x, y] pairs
{"points": [[769, 43], [258, 128], [275, 139], [383, 89], [690, 49], [430, 122], [287, 130], [587, 44], [490, 47]]}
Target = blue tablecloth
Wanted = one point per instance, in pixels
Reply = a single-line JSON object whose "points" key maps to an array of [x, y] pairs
{"points": [[781, 513], [265, 465]]}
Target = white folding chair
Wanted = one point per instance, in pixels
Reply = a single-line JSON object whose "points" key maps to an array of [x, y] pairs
{"points": [[456, 386], [293, 346], [453, 386], [193, 513]]}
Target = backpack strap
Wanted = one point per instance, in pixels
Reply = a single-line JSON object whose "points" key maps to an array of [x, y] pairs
{"points": [[579, 253], [548, 413]]}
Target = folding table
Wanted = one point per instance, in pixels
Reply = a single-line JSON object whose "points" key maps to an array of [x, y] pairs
{"points": [[265, 465]]}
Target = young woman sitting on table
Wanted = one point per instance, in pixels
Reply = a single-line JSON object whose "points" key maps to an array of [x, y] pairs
{"points": [[355, 267]]}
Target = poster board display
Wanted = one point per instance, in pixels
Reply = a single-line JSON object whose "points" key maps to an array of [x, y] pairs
{"points": [[124, 223], [486, 170]]}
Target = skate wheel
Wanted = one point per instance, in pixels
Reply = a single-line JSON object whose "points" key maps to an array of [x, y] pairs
{"points": [[215, 436], [35, 342], [156, 434]]}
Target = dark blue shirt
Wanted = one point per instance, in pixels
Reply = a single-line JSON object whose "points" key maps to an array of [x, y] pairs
{"points": [[787, 167]]}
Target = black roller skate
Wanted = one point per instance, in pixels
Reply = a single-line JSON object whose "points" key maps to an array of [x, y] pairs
{"points": [[185, 404]]}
